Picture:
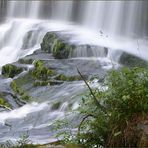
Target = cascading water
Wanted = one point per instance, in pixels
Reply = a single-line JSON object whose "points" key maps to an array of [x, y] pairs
{"points": [[113, 22], [117, 25]]}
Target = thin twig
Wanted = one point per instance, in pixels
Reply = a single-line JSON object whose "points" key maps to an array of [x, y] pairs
{"points": [[94, 97], [84, 118]]}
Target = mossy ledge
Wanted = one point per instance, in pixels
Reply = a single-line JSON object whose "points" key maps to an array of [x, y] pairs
{"points": [[11, 70]]}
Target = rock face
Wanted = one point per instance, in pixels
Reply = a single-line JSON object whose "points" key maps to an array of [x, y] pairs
{"points": [[129, 60], [52, 43]]}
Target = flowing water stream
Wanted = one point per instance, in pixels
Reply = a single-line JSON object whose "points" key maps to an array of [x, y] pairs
{"points": [[117, 25]]}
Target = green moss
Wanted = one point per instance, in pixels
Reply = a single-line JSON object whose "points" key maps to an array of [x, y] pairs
{"points": [[25, 61], [15, 88], [25, 97], [10, 70], [56, 106], [67, 78], [52, 43], [41, 72], [4, 102], [19, 91], [41, 83], [62, 50]]}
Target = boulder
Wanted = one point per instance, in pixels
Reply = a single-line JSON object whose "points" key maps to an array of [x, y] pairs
{"points": [[53, 43], [129, 60]]}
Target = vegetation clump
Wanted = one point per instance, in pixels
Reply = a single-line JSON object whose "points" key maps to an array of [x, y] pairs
{"points": [[18, 91], [41, 72], [25, 61], [61, 50], [41, 83], [112, 119], [4, 103], [68, 78], [10, 70]]}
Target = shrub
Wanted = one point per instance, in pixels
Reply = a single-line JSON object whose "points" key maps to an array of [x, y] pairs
{"points": [[124, 96]]}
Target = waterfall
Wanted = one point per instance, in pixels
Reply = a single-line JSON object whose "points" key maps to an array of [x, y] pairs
{"points": [[113, 17], [108, 19], [28, 9]]}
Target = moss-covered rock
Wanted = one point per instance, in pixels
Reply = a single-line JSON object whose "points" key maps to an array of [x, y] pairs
{"points": [[67, 78], [56, 106], [41, 83], [19, 91], [10, 70], [3, 102], [129, 60], [62, 50], [52, 43], [41, 72], [48, 40], [25, 61]]}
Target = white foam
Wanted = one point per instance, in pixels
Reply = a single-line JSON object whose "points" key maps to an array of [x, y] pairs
{"points": [[22, 111]]}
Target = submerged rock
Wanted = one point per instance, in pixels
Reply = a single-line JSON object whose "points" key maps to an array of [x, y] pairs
{"points": [[129, 60]]}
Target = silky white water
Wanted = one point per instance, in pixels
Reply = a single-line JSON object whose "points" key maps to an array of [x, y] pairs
{"points": [[113, 24]]}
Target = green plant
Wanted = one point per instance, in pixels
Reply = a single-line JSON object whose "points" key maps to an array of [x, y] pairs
{"points": [[111, 115], [23, 142]]}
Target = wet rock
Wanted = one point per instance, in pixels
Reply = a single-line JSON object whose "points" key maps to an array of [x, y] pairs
{"points": [[68, 78], [47, 43], [53, 43], [11, 70], [90, 51], [56, 106], [25, 61], [129, 60]]}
